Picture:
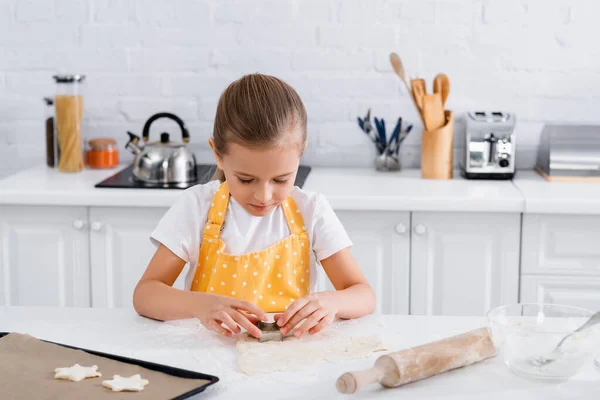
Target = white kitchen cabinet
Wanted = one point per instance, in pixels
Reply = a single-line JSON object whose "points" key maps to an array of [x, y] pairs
{"points": [[560, 260], [120, 250], [44, 256], [561, 245], [580, 291], [381, 247], [463, 263]]}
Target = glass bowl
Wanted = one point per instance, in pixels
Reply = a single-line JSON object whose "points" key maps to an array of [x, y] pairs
{"points": [[525, 333]]}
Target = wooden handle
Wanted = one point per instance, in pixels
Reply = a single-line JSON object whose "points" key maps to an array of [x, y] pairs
{"points": [[410, 365], [352, 382], [441, 85]]}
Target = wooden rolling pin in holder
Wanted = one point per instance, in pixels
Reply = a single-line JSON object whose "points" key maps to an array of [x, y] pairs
{"points": [[410, 365]]}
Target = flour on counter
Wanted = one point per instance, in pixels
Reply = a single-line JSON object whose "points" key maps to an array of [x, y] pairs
{"points": [[292, 353]]}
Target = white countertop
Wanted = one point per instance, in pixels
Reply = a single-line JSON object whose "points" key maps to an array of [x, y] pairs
{"points": [[543, 197], [346, 189], [185, 344]]}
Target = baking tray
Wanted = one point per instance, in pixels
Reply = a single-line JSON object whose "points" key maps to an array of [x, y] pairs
{"points": [[176, 372]]}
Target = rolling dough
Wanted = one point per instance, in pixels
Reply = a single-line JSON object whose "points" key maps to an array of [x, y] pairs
{"points": [[291, 354]]}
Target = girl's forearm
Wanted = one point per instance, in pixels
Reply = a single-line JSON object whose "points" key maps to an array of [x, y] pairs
{"points": [[156, 300], [353, 302]]}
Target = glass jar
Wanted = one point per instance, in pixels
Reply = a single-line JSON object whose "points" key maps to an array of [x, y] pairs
{"points": [[102, 153], [68, 106]]}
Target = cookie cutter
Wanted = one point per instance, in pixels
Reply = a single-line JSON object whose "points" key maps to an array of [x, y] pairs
{"points": [[269, 332]]}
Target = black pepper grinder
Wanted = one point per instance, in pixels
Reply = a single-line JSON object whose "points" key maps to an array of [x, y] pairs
{"points": [[51, 144]]}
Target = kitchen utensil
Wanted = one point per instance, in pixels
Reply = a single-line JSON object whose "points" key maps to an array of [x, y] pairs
{"points": [[555, 354], [380, 125], [399, 70], [437, 158], [269, 332], [522, 333], [490, 145], [433, 111], [441, 84], [403, 135], [367, 127], [68, 106], [394, 144], [413, 364], [165, 161], [419, 91]]}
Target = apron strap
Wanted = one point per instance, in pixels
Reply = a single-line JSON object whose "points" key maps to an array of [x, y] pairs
{"points": [[293, 216], [216, 213]]}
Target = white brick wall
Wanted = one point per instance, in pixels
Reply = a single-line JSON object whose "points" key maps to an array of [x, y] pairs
{"points": [[537, 58]]}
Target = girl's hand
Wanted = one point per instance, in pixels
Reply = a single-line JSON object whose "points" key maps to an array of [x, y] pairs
{"points": [[213, 311], [317, 312]]}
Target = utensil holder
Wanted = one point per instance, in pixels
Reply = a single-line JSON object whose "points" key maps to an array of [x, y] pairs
{"points": [[437, 149], [387, 162]]}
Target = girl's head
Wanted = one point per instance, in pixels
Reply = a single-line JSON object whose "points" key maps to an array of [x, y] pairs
{"points": [[259, 136]]}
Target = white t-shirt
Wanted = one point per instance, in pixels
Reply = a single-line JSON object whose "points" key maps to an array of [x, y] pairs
{"points": [[182, 227]]}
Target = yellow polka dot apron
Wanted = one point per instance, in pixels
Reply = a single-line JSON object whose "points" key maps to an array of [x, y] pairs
{"points": [[272, 278]]}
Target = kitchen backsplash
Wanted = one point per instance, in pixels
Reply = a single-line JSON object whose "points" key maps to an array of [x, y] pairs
{"points": [[536, 58]]}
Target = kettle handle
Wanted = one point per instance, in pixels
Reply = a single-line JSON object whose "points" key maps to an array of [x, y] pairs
{"points": [[184, 132]]}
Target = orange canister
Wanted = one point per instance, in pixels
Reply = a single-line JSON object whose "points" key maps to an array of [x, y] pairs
{"points": [[102, 153]]}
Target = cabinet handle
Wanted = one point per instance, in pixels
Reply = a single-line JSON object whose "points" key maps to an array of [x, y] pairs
{"points": [[96, 226], [400, 229], [78, 224], [420, 229]]}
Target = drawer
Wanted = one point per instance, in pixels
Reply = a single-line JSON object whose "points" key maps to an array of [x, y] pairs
{"points": [[560, 244]]}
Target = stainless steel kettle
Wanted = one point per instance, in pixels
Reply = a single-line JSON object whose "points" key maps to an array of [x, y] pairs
{"points": [[165, 161]]}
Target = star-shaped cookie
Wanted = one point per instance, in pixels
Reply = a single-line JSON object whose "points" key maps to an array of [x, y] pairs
{"points": [[134, 383], [76, 373]]}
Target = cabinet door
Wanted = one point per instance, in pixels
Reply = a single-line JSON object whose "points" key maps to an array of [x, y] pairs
{"points": [[577, 291], [463, 263], [120, 252], [381, 245], [44, 259], [561, 244]]}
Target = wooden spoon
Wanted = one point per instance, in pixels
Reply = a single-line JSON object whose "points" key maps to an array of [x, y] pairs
{"points": [[399, 69], [441, 85]]}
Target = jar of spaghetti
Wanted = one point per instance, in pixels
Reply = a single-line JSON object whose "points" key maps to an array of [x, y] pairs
{"points": [[68, 108], [102, 153]]}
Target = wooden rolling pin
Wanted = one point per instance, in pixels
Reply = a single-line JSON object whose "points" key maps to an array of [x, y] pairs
{"points": [[409, 365]]}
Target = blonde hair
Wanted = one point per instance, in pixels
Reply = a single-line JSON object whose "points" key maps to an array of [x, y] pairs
{"points": [[256, 111]]}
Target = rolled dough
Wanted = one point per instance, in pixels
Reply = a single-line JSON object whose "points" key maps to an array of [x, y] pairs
{"points": [[291, 354]]}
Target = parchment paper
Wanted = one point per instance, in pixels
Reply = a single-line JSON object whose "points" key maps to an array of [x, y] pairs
{"points": [[27, 372]]}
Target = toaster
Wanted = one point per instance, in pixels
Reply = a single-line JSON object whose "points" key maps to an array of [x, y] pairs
{"points": [[489, 145]]}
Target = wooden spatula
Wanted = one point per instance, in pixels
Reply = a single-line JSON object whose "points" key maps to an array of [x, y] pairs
{"points": [[441, 85], [418, 91]]}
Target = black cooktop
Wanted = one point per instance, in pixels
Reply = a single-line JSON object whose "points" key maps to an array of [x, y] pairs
{"points": [[125, 179]]}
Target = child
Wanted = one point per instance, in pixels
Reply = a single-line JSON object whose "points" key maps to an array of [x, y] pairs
{"points": [[253, 240]]}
